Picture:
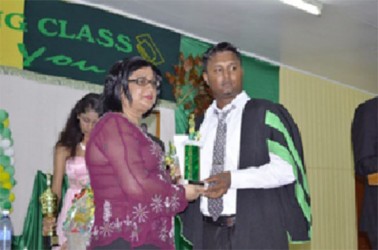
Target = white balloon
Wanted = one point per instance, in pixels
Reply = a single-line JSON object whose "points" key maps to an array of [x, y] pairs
{"points": [[9, 151], [12, 161], [5, 143]]}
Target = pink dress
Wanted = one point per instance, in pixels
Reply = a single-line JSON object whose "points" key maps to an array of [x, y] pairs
{"points": [[78, 178], [134, 196]]}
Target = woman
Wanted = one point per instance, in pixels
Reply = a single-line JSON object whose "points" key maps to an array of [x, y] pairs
{"points": [[134, 197], [69, 157]]}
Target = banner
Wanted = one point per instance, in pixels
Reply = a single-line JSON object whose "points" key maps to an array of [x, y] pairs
{"points": [[81, 43]]}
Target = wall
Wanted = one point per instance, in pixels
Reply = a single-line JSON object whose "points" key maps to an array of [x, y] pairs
{"points": [[324, 111]]}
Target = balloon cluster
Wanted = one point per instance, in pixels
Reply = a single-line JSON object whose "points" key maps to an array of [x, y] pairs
{"points": [[7, 181]]}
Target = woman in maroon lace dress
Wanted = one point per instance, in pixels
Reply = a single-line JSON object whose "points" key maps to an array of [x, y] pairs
{"points": [[134, 197]]}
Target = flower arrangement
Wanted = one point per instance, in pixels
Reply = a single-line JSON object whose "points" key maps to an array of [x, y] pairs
{"points": [[80, 216], [189, 87]]}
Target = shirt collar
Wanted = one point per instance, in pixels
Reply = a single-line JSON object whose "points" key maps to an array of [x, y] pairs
{"points": [[238, 102]]}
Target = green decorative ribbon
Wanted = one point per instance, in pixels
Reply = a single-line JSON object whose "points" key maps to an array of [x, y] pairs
{"points": [[192, 162]]}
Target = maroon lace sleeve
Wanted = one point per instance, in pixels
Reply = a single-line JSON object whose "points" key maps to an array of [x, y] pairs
{"points": [[135, 160]]}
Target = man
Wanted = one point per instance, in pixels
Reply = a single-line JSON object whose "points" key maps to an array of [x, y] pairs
{"points": [[365, 149], [253, 155]]}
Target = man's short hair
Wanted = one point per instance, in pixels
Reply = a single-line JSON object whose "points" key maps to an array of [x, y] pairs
{"points": [[220, 47]]}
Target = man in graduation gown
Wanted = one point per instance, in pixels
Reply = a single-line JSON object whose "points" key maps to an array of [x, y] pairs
{"points": [[365, 149], [262, 187]]}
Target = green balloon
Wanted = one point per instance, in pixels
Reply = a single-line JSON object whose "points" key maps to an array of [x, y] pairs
{"points": [[4, 192], [9, 170], [3, 115], [6, 133], [4, 160], [7, 205]]}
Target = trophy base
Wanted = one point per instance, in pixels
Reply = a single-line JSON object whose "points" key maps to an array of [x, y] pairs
{"points": [[51, 241], [199, 183]]}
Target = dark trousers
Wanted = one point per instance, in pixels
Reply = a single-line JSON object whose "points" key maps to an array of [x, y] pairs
{"points": [[216, 236], [120, 243]]}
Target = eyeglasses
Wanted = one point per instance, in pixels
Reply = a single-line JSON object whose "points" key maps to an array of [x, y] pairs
{"points": [[142, 81]]}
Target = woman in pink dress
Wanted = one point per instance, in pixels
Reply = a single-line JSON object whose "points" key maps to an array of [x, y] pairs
{"points": [[69, 156], [135, 200]]}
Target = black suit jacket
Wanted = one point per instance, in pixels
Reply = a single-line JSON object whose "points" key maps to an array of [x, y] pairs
{"points": [[264, 217]]}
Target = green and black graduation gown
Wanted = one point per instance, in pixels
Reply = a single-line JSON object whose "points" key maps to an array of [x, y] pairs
{"points": [[265, 218]]}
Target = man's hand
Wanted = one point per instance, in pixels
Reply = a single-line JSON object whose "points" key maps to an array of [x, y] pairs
{"points": [[218, 185]]}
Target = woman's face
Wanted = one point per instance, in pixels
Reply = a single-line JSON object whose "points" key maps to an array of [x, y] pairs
{"points": [[87, 121], [143, 89]]}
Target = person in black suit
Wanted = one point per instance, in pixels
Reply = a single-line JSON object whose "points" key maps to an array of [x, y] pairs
{"points": [[365, 149], [262, 186]]}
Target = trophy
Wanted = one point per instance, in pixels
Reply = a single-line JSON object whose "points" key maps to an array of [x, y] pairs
{"points": [[188, 149], [49, 203], [192, 154]]}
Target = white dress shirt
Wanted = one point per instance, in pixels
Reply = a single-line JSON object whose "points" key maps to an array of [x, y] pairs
{"points": [[275, 173]]}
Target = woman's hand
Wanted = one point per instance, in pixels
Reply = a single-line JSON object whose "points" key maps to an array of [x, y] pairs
{"points": [[192, 192], [48, 224]]}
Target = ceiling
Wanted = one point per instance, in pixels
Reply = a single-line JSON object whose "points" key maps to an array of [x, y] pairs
{"points": [[340, 45]]}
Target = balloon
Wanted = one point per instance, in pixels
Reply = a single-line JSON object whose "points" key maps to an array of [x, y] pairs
{"points": [[7, 185], [9, 170], [4, 176], [5, 143], [7, 180], [9, 152], [4, 160], [6, 123], [6, 133], [7, 205], [3, 115], [12, 197], [4, 192]]}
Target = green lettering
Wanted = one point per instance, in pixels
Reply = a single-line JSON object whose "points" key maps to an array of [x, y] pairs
{"points": [[82, 66], [42, 23], [63, 30], [29, 59], [124, 40], [107, 36], [60, 60], [85, 32], [18, 23]]}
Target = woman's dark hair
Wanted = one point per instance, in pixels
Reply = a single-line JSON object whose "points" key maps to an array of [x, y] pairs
{"points": [[71, 135], [220, 47], [117, 81]]}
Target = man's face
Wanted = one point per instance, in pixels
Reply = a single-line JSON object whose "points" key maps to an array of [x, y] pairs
{"points": [[224, 75]]}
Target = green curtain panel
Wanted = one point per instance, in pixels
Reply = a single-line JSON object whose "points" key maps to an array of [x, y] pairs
{"points": [[261, 79], [31, 237]]}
